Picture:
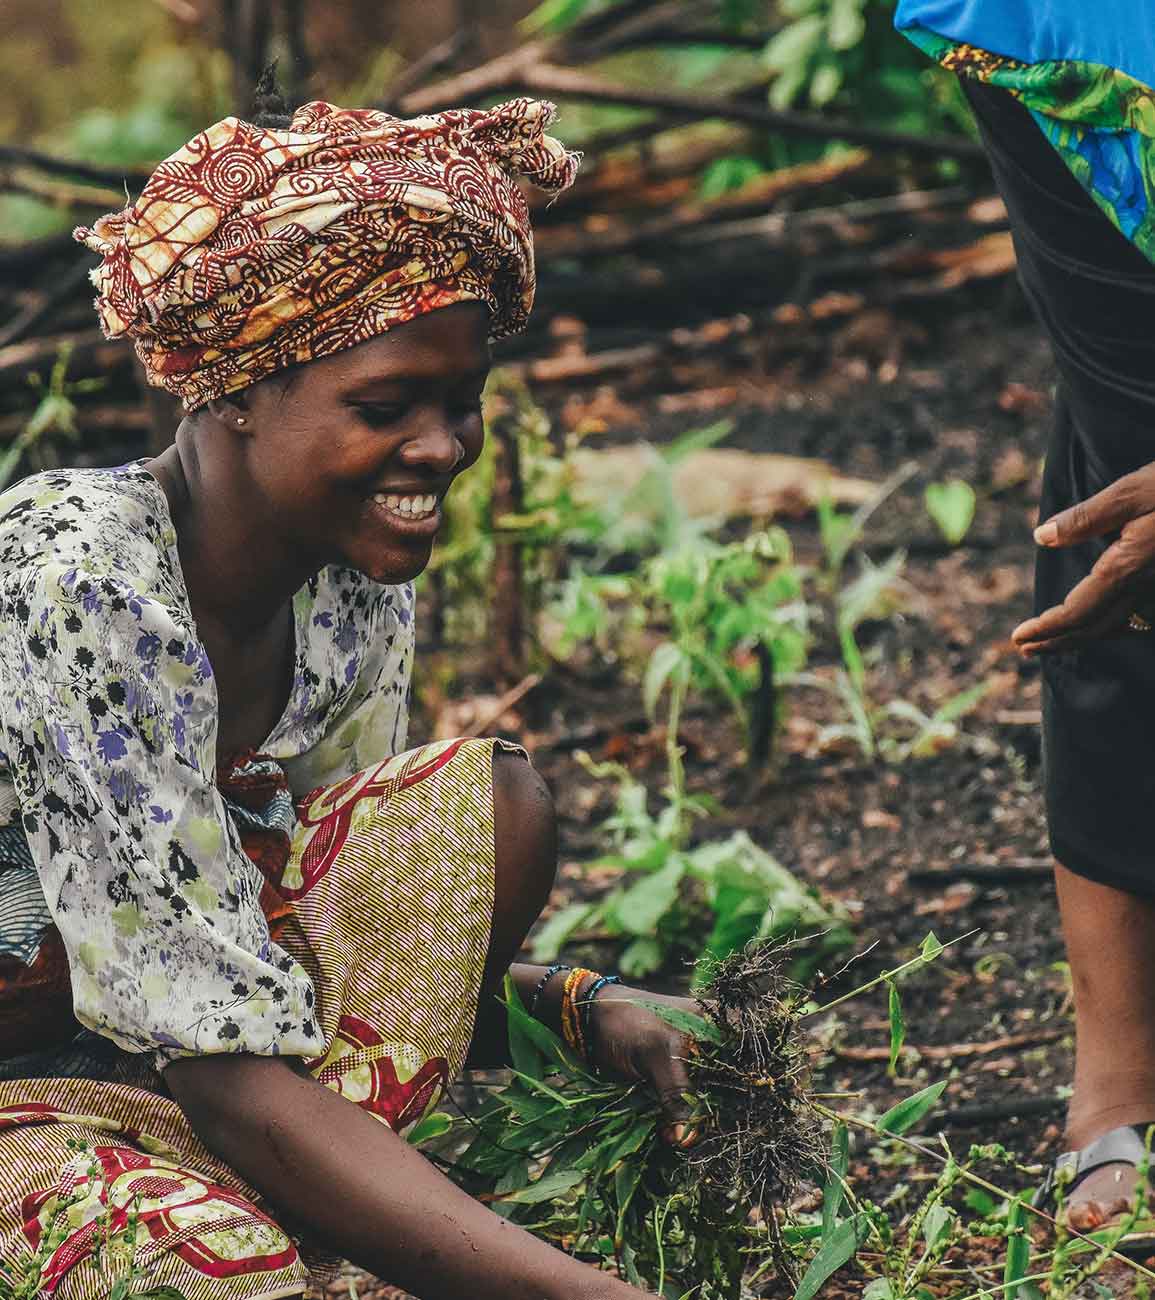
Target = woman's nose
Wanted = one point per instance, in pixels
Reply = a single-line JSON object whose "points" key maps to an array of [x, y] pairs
{"points": [[435, 446]]}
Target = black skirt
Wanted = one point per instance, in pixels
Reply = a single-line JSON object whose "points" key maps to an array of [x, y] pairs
{"points": [[1094, 293]]}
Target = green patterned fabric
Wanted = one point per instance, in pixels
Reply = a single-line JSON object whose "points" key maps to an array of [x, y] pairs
{"points": [[1101, 121]]}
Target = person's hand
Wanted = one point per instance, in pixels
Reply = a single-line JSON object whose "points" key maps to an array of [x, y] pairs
{"points": [[1119, 592], [631, 1041]]}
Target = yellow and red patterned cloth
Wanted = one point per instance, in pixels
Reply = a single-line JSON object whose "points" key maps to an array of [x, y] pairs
{"points": [[252, 249], [384, 895]]}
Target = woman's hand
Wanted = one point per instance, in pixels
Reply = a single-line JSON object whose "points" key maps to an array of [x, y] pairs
{"points": [[1122, 582], [631, 1041]]}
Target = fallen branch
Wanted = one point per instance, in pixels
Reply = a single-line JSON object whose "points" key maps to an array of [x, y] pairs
{"points": [[527, 69], [1009, 873], [58, 194], [67, 167], [64, 286], [433, 60], [985, 1113], [549, 79], [951, 1051], [509, 700]]}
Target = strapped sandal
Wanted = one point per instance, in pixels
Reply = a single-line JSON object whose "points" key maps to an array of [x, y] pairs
{"points": [[1120, 1146]]}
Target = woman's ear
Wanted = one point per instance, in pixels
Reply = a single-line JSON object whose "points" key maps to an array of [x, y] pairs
{"points": [[232, 412]]}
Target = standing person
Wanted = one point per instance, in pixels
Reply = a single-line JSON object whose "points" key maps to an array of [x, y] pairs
{"points": [[246, 939], [1062, 92]]}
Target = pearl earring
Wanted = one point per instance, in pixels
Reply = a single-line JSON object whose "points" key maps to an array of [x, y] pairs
{"points": [[241, 420]]}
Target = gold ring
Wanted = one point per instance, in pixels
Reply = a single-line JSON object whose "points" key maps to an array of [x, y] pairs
{"points": [[1137, 623]]}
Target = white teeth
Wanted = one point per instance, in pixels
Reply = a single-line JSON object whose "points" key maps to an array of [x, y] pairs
{"points": [[415, 507]]}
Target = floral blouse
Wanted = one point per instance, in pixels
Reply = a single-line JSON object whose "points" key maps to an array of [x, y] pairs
{"points": [[119, 848]]}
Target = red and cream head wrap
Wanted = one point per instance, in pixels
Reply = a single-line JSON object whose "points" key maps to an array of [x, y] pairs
{"points": [[252, 249]]}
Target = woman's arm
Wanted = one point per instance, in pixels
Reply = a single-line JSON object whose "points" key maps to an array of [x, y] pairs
{"points": [[339, 1175]]}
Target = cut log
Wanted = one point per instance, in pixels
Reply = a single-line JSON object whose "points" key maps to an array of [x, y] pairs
{"points": [[720, 482]]}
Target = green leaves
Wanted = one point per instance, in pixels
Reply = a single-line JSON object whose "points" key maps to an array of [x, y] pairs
{"points": [[836, 1250], [667, 661], [431, 1126], [640, 907], [897, 1025], [952, 507], [911, 1109], [686, 1022], [552, 936], [1018, 1250], [547, 1188], [834, 1189]]}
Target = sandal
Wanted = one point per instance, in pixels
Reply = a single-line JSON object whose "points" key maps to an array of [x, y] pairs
{"points": [[1120, 1146]]}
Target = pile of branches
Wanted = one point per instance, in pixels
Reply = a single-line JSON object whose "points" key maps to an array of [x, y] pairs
{"points": [[637, 272]]}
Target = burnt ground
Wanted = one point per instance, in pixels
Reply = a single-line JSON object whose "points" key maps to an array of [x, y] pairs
{"points": [[955, 843]]}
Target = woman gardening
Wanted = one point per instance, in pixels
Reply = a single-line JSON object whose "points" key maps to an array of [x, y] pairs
{"points": [[247, 939]]}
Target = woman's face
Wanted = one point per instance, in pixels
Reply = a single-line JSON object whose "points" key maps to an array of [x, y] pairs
{"points": [[353, 454]]}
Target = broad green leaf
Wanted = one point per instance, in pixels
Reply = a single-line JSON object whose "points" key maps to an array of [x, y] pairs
{"points": [[904, 1116], [697, 439], [547, 1188], [430, 1127], [554, 15], [836, 1250], [1018, 1250], [879, 1289], [897, 1026], [632, 1140], [952, 507], [641, 957], [794, 45], [546, 1041], [120, 1288], [930, 947], [523, 1049], [981, 1202], [938, 1221], [687, 1022], [834, 1190], [538, 1086], [552, 936], [665, 660], [514, 1179], [846, 26], [826, 82], [640, 907], [627, 1176]]}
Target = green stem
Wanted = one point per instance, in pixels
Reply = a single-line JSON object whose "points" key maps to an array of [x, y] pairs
{"points": [[674, 754], [920, 960], [969, 1176]]}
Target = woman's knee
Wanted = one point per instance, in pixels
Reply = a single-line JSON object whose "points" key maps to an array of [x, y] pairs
{"points": [[524, 829]]}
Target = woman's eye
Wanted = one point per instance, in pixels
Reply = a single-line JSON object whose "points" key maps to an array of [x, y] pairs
{"points": [[378, 415]]}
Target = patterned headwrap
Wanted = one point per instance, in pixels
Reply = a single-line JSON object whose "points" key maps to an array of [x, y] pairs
{"points": [[252, 249]]}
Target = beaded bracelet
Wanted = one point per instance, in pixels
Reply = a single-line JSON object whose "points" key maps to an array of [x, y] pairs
{"points": [[587, 1010], [571, 1025], [535, 997]]}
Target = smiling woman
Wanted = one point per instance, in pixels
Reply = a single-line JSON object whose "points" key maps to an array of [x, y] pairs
{"points": [[246, 938]]}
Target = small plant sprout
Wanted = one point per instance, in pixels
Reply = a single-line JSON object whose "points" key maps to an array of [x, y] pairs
{"points": [[952, 507]]}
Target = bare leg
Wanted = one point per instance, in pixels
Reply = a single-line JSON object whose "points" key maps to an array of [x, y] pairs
{"points": [[1110, 938], [525, 863]]}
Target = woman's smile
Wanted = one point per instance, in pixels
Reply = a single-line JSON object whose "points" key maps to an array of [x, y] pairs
{"points": [[416, 515]]}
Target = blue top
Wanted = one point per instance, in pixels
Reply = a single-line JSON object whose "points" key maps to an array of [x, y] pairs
{"points": [[1116, 33]]}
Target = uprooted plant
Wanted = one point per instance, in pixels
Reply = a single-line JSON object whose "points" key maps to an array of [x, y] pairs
{"points": [[579, 1160], [604, 1184]]}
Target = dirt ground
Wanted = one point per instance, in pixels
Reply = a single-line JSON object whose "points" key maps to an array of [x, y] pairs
{"points": [[955, 843]]}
